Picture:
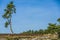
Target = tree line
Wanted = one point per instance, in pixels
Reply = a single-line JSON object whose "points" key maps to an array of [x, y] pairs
{"points": [[52, 28]]}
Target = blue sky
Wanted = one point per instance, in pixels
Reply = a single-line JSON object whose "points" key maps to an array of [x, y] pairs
{"points": [[30, 14]]}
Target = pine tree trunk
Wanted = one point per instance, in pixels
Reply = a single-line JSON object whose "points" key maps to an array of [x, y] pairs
{"points": [[11, 26]]}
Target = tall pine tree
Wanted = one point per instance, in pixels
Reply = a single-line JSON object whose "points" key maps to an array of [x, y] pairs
{"points": [[10, 9]]}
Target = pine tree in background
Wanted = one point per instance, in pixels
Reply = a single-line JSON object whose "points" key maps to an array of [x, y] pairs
{"points": [[58, 20]]}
